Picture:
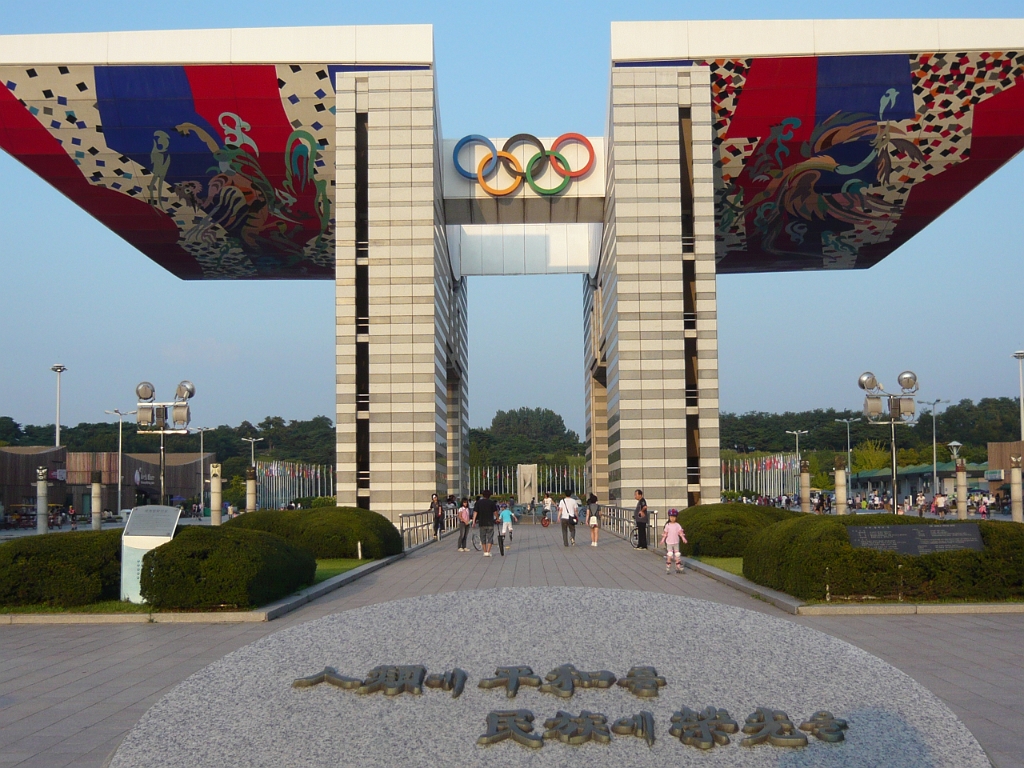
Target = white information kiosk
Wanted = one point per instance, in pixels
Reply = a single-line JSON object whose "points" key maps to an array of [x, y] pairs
{"points": [[147, 528]]}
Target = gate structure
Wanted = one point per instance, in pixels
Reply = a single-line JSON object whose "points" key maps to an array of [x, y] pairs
{"points": [[317, 153]]}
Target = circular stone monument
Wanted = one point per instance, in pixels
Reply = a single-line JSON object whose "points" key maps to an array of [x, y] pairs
{"points": [[244, 711]]}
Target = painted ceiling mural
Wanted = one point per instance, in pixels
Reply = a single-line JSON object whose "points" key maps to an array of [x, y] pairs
{"points": [[836, 161], [215, 171], [226, 171]]}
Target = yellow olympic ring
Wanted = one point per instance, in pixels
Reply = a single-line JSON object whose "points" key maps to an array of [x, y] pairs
{"points": [[500, 192]]}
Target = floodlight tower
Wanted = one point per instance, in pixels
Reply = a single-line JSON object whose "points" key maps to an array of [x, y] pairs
{"points": [[164, 418], [902, 409]]}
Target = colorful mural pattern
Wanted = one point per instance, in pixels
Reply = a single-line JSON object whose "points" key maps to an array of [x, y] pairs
{"points": [[212, 171], [225, 171], [833, 162]]}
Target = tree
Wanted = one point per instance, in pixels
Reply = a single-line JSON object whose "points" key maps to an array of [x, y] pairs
{"points": [[524, 436], [870, 455]]}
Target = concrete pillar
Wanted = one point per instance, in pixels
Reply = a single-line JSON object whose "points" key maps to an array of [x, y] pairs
{"points": [[961, 489], [97, 501], [842, 502], [216, 499], [1016, 505], [651, 314], [805, 487], [42, 511], [250, 489]]}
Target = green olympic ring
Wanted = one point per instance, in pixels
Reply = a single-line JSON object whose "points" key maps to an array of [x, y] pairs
{"points": [[529, 173]]}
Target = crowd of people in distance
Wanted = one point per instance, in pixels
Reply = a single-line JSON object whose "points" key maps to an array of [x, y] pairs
{"points": [[485, 514]]}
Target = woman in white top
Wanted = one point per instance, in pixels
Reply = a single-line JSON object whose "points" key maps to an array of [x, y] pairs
{"points": [[568, 509]]}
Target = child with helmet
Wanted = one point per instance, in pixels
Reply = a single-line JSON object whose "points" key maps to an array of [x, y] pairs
{"points": [[671, 537]]}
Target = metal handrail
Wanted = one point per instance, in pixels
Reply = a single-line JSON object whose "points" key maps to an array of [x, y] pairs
{"points": [[418, 527], [619, 521]]}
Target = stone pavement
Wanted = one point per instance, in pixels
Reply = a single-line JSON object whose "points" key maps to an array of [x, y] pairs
{"points": [[69, 693]]}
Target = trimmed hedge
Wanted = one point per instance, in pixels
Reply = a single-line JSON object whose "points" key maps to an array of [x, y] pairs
{"points": [[204, 568], [724, 530], [800, 556], [327, 532], [62, 570]]}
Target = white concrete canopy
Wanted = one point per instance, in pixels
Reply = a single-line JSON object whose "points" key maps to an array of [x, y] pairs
{"points": [[660, 40]]}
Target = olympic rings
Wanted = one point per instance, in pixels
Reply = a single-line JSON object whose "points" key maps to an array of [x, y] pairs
{"points": [[535, 166]]}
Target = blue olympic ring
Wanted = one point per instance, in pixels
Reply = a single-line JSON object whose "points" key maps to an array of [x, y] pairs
{"points": [[475, 139]]}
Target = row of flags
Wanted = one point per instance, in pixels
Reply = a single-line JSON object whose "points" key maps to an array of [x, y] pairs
{"points": [[504, 479], [770, 475]]}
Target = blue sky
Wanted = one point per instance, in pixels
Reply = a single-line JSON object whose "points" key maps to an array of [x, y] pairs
{"points": [[945, 305]]}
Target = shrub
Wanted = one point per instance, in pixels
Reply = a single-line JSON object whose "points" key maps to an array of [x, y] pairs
{"points": [[62, 570], [800, 556], [204, 568], [328, 532], [323, 501], [723, 530]]}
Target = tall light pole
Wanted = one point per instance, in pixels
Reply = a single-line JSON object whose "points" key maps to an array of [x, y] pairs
{"points": [[164, 418], [202, 467], [1020, 370], [120, 424], [849, 455], [902, 409], [796, 433], [935, 456], [58, 369], [252, 448]]}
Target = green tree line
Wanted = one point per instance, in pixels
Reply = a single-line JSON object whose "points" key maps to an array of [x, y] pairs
{"points": [[524, 436], [975, 425]]}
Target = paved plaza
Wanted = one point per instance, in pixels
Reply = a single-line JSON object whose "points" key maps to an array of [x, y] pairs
{"points": [[69, 693]]}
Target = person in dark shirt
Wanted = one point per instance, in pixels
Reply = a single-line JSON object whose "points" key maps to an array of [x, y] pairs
{"points": [[483, 516], [641, 519]]}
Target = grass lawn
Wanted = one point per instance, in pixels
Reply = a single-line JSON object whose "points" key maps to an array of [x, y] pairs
{"points": [[326, 569], [106, 606], [733, 565]]}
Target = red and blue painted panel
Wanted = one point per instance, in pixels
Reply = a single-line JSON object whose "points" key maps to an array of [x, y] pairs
{"points": [[212, 171], [835, 161]]}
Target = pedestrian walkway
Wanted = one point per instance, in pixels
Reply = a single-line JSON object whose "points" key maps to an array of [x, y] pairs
{"points": [[69, 693]]}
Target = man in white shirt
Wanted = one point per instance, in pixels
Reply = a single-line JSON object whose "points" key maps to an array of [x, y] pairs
{"points": [[568, 510]]}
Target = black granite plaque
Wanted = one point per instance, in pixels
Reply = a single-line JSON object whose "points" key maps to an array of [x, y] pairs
{"points": [[916, 539]]}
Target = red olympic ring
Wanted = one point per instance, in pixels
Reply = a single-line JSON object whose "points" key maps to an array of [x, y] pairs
{"points": [[563, 139]]}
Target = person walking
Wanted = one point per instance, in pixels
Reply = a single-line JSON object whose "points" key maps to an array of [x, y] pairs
{"points": [[568, 511], [671, 537], [438, 510], [506, 516], [465, 523], [483, 516], [641, 519], [593, 518]]}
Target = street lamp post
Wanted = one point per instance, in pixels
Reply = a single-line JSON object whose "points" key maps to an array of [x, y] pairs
{"points": [[849, 455], [805, 493], [252, 448], [796, 433], [1020, 370], [120, 424], [935, 455], [58, 369], [902, 409], [202, 467]]}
